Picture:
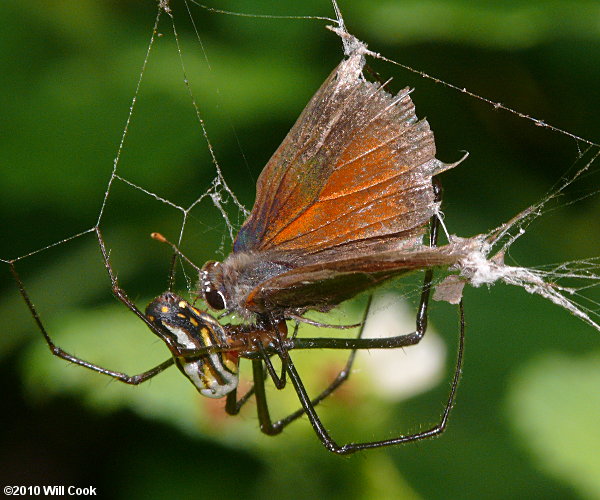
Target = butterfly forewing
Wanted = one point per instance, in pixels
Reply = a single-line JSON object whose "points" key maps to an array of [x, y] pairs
{"points": [[356, 165]]}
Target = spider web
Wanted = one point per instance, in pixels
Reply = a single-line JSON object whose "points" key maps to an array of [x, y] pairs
{"points": [[581, 275]]}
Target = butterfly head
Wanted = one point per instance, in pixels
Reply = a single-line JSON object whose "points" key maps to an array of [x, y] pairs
{"points": [[211, 285]]}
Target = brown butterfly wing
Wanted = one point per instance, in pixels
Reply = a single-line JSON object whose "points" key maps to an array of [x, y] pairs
{"points": [[330, 282], [355, 168]]}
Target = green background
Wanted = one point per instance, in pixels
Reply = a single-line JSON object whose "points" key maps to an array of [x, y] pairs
{"points": [[526, 420]]}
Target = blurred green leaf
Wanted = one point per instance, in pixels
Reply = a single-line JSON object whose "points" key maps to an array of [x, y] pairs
{"points": [[554, 404], [514, 24]]}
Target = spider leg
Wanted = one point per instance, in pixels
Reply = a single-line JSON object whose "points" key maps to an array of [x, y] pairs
{"points": [[233, 405], [348, 448], [341, 377], [57, 351], [262, 408], [120, 294], [117, 291], [278, 380], [272, 428]]}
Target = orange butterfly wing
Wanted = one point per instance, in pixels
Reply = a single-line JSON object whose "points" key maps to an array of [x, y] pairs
{"points": [[356, 167]]}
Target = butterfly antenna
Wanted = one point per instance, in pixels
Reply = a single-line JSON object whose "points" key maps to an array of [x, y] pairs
{"points": [[162, 239]]}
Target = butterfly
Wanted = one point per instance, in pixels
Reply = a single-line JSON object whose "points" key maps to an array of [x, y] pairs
{"points": [[340, 207]]}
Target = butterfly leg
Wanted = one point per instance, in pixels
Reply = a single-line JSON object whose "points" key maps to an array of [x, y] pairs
{"points": [[57, 351], [348, 448], [434, 227]]}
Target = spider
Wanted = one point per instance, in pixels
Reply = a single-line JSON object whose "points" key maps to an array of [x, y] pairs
{"points": [[208, 353]]}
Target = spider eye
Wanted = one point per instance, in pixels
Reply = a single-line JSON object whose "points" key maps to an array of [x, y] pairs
{"points": [[215, 299]]}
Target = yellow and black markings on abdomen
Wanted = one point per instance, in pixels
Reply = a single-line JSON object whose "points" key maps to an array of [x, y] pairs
{"points": [[213, 373]]}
